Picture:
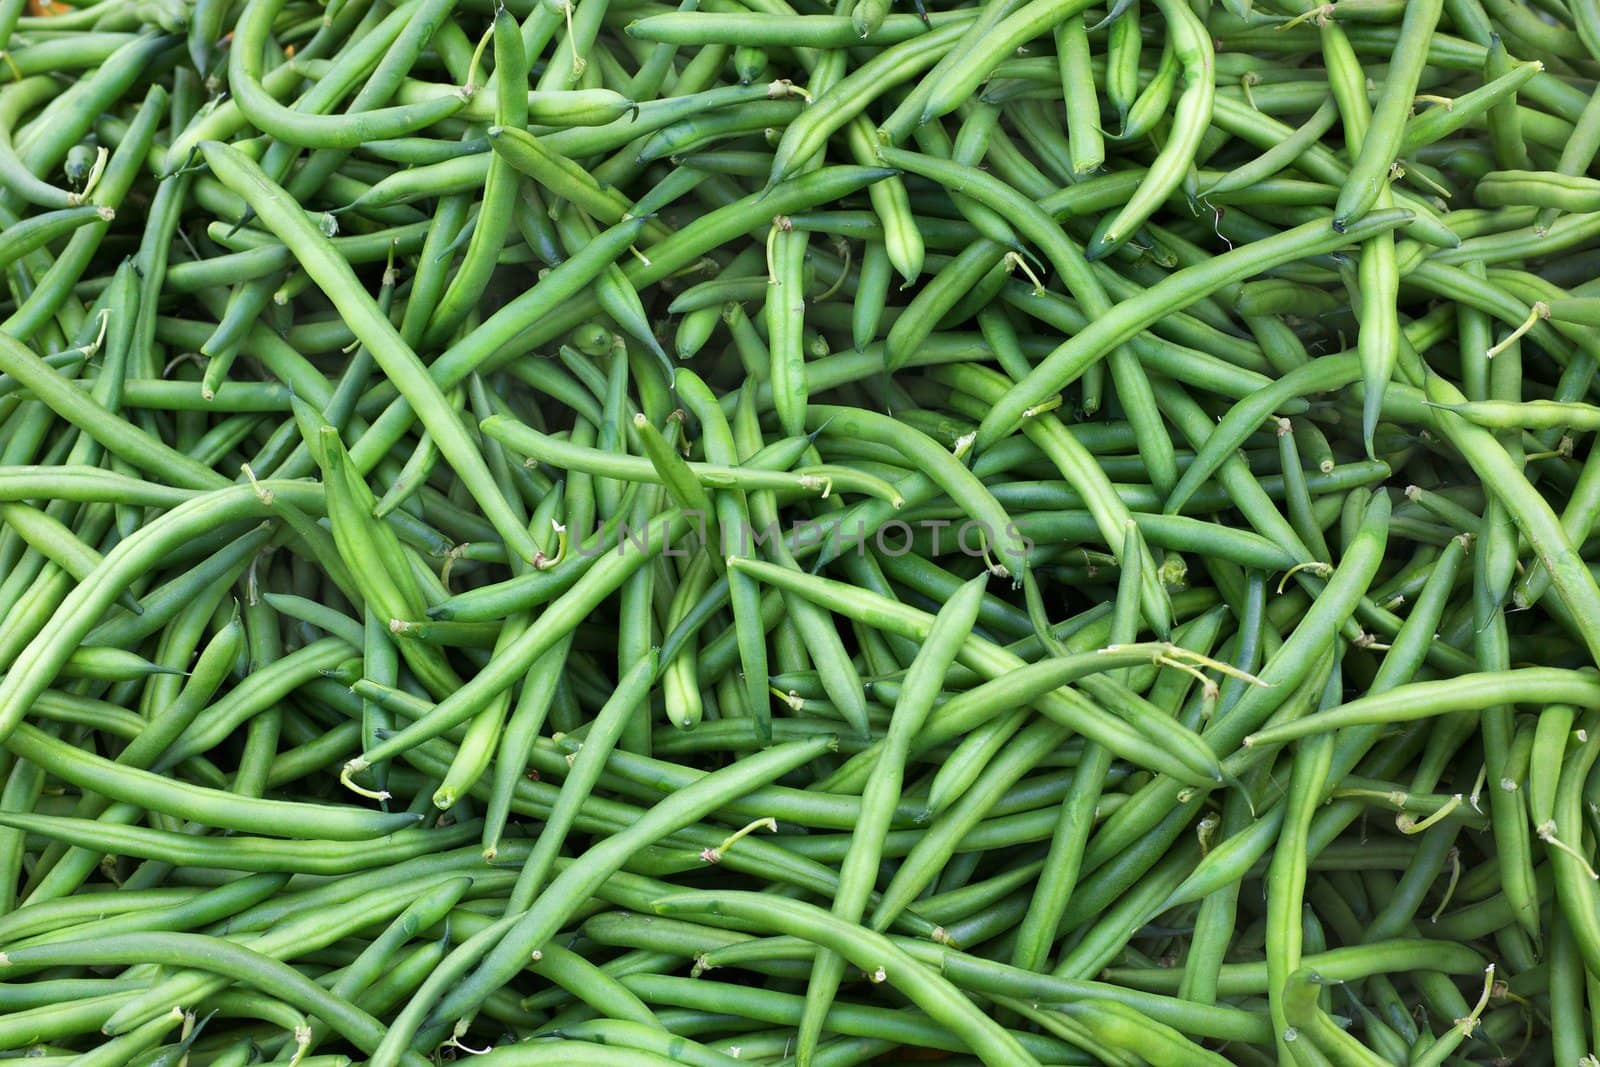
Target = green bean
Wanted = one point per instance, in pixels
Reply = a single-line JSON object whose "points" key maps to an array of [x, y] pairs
{"points": [[116, 434], [1440, 121], [1192, 47], [1510, 188], [1530, 414], [1574, 584], [989, 659], [882, 794], [300, 935], [1132, 386], [947, 86], [1381, 143], [27, 235], [1324, 374], [513, 657], [1424, 699], [56, 542], [777, 1007], [187, 950], [1279, 156], [499, 195], [850, 96], [1130, 316], [621, 1033], [531, 928], [550, 169], [180, 799], [315, 131], [586, 767], [537, 1053], [391, 353], [871, 952], [593, 987], [764, 30], [239, 853], [464, 357], [997, 528], [1075, 464], [785, 319]]}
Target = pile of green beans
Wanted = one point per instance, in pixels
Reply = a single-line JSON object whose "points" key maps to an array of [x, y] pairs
{"points": [[637, 533]]}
